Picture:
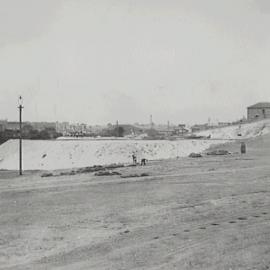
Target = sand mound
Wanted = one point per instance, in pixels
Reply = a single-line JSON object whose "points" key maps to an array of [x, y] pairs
{"points": [[244, 131], [50, 155]]}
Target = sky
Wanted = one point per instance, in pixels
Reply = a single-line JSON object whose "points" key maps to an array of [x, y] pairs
{"points": [[98, 61]]}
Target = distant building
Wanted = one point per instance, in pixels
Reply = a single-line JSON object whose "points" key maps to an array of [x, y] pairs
{"points": [[14, 126], [43, 125], [197, 128], [3, 125], [258, 111], [180, 130], [165, 132], [63, 128], [223, 124]]}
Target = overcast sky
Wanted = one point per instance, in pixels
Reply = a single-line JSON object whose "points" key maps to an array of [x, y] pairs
{"points": [[97, 61]]}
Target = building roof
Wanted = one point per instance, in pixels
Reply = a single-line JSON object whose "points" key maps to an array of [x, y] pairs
{"points": [[260, 105]]}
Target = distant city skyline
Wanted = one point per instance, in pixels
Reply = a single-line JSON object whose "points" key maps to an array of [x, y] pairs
{"points": [[96, 62], [165, 124]]}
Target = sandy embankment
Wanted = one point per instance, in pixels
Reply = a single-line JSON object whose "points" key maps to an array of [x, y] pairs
{"points": [[52, 155]]}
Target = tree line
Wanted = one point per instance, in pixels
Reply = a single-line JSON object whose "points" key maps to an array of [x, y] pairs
{"points": [[28, 132]]}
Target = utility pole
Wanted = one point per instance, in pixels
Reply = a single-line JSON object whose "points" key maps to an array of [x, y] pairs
{"points": [[117, 128], [20, 137], [151, 122]]}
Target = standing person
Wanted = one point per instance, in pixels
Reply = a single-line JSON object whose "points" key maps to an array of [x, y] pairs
{"points": [[134, 158], [243, 148]]}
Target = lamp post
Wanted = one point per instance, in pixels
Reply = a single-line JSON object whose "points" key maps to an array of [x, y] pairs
{"points": [[20, 102]]}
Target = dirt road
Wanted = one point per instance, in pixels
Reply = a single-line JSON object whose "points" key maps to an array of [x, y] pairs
{"points": [[205, 213]]}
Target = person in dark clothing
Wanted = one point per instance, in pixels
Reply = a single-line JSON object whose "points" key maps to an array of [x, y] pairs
{"points": [[243, 148], [143, 161], [134, 158]]}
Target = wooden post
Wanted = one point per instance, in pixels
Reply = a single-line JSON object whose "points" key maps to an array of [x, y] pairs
{"points": [[20, 136]]}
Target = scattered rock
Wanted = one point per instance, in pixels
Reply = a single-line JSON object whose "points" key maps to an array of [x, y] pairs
{"points": [[95, 168], [98, 168], [67, 173], [47, 175], [134, 175], [218, 153], [130, 176], [91, 169], [115, 166], [242, 218], [106, 173], [195, 155]]}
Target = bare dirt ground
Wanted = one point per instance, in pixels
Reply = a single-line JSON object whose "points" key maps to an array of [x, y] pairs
{"points": [[205, 213]]}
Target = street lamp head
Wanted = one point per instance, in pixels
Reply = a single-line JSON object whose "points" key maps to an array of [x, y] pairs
{"points": [[20, 101]]}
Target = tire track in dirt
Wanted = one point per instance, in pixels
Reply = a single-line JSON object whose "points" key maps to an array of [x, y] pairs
{"points": [[184, 250]]}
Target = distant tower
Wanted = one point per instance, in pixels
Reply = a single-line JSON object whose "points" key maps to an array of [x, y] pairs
{"points": [[168, 125], [151, 122]]}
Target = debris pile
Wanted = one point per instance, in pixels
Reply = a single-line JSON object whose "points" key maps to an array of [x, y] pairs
{"points": [[218, 153], [195, 155]]}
